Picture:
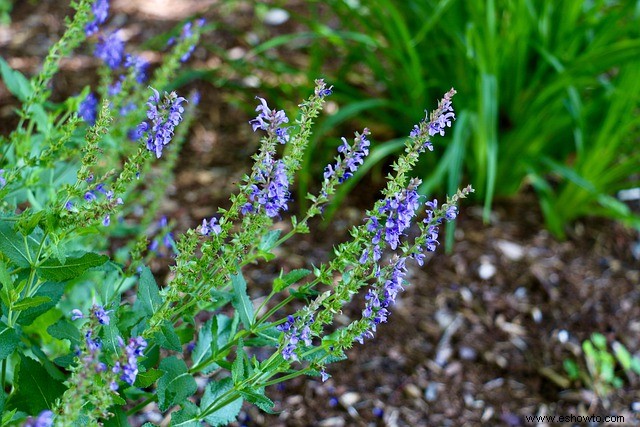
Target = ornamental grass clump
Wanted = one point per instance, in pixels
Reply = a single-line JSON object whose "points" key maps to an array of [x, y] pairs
{"points": [[80, 185]]}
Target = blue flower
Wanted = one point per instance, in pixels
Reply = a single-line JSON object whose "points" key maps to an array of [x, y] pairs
{"points": [[270, 121], [438, 120], [100, 314], [162, 117], [44, 419], [129, 370], [89, 196], [210, 227], [92, 345], [379, 299], [100, 11], [139, 65], [351, 158], [188, 33], [76, 314], [271, 189], [88, 109], [110, 50], [293, 336]]}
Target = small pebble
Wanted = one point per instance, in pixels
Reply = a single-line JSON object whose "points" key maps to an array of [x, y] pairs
{"points": [[332, 422], [510, 250], [349, 398], [563, 336], [536, 314], [486, 270], [412, 390], [431, 392], [276, 16], [635, 406], [467, 353]]}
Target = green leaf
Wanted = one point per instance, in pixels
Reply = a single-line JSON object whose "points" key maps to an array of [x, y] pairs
{"points": [[176, 384], [187, 416], [572, 369], [226, 414], [289, 279], [110, 335], [259, 399], [30, 302], [35, 390], [241, 301], [269, 240], [17, 83], [51, 290], [205, 346], [8, 340], [146, 379], [148, 293], [239, 368], [52, 269], [167, 337], [65, 330], [119, 418], [12, 245], [599, 340]]}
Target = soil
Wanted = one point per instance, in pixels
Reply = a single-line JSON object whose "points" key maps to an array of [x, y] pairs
{"points": [[480, 335]]}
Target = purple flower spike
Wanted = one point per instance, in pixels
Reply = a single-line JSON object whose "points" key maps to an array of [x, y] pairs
{"points": [[270, 121], [162, 117], [88, 109], [100, 11], [110, 50], [139, 65], [129, 370], [271, 189]]}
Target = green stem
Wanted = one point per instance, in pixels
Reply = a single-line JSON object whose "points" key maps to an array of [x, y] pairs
{"points": [[139, 406]]}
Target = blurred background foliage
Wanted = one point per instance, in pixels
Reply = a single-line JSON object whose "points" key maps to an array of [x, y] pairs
{"points": [[547, 98]]}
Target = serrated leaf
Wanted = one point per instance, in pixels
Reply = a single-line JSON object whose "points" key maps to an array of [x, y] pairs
{"points": [[12, 245], [51, 290], [36, 390], [241, 301], [187, 416], [289, 279], [148, 293], [30, 302], [52, 269], [146, 379], [15, 81], [205, 346], [5, 277], [226, 414], [28, 223], [8, 340], [176, 384], [268, 240], [259, 399], [65, 330], [111, 336], [167, 337], [238, 371]]}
